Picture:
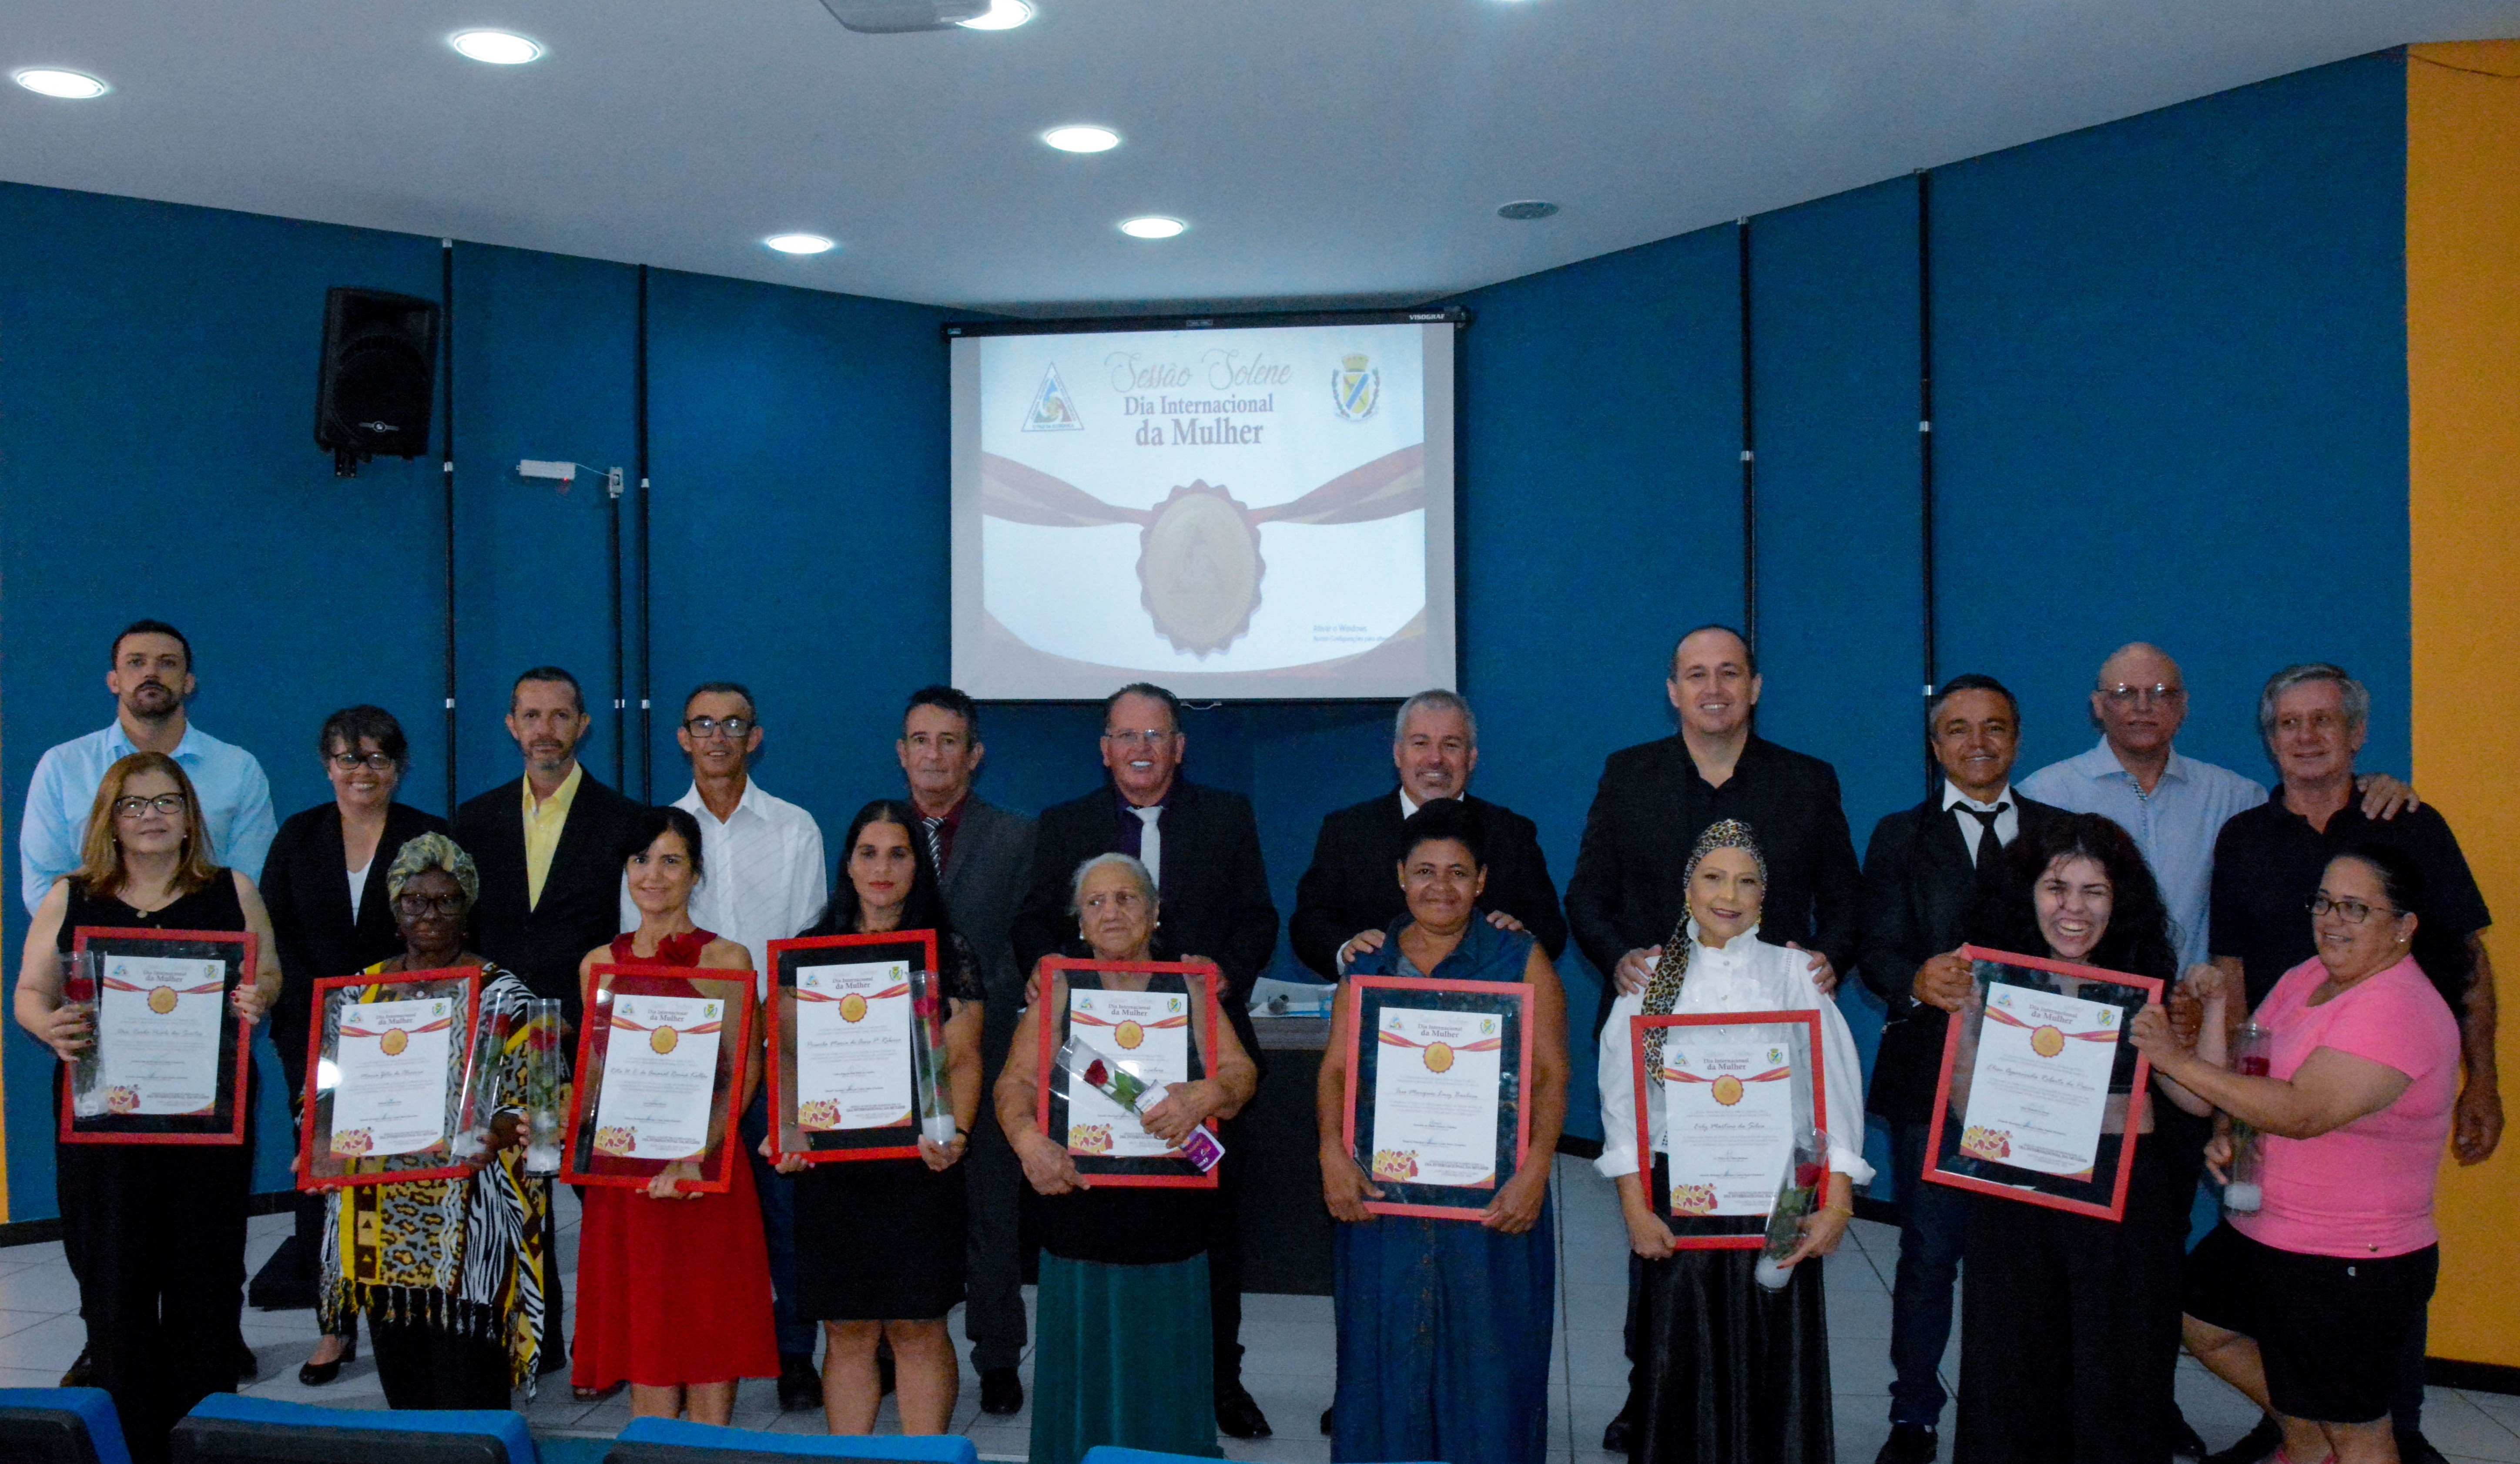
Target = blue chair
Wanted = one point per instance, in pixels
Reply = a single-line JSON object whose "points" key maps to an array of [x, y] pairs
{"points": [[229, 1429], [60, 1426], [671, 1441]]}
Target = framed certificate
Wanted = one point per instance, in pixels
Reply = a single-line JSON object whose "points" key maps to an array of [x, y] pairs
{"points": [[170, 1062], [659, 1076], [1147, 1033], [388, 1058], [845, 1045], [2041, 1095], [1435, 1115], [1732, 1090]]}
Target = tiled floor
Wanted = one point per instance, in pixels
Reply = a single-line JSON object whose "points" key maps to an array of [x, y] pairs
{"points": [[1289, 1363]]}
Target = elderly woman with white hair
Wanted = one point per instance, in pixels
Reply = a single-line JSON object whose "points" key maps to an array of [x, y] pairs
{"points": [[449, 1271], [1123, 1353]]}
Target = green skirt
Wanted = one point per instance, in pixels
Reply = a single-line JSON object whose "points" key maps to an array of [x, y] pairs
{"points": [[1123, 1356]]}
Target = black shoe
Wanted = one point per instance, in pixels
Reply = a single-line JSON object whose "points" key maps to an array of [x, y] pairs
{"points": [[1237, 1416], [1328, 1416], [2183, 1443], [317, 1374], [2256, 1446], [1001, 1391], [1910, 1443], [800, 1385], [2414, 1448], [1614, 1438], [82, 1373], [249, 1368]]}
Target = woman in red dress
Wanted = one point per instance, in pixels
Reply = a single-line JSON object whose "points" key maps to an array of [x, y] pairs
{"points": [[673, 1285]]}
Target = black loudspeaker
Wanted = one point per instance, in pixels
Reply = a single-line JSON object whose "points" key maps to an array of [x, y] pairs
{"points": [[376, 381]]}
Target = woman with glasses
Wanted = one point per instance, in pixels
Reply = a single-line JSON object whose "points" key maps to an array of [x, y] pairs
{"points": [[163, 1258], [2307, 1304], [449, 1271], [325, 883]]}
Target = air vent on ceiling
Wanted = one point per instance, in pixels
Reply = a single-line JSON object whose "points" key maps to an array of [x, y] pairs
{"points": [[893, 17]]}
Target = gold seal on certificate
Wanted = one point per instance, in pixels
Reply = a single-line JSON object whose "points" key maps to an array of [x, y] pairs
{"points": [[1199, 568]]}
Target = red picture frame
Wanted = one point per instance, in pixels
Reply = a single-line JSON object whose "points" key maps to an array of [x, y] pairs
{"points": [[777, 1059], [579, 1163], [1954, 1034], [469, 977], [1203, 980], [1483, 995], [1639, 1026], [233, 1030]]}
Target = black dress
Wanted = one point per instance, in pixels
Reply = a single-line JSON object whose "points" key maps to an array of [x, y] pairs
{"points": [[883, 1239], [160, 1228]]}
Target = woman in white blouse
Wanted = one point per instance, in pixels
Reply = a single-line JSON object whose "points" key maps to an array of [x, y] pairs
{"points": [[1725, 1370]]}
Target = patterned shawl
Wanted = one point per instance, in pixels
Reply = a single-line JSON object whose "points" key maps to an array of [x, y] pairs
{"points": [[1662, 991]]}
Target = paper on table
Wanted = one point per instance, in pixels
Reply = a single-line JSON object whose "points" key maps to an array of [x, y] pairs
{"points": [[2041, 1085], [853, 1045], [1728, 1122], [1144, 1032], [158, 1033], [660, 1073], [390, 1087], [1436, 1092]]}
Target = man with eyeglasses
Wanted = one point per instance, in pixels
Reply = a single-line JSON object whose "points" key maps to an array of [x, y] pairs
{"points": [[2268, 863], [150, 672], [1202, 846]]}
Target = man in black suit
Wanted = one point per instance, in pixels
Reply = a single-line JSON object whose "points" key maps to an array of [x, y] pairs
{"points": [[1922, 872], [1350, 895], [1202, 846], [985, 854], [1630, 885]]}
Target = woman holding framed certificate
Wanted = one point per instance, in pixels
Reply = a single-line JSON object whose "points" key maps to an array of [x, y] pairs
{"points": [[1446, 1278], [1124, 1348], [879, 1242], [673, 1283], [154, 1183], [1704, 1123]]}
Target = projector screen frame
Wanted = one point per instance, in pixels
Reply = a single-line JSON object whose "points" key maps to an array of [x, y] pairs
{"points": [[1442, 571]]}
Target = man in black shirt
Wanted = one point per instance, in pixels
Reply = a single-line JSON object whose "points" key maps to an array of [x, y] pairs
{"points": [[2268, 862]]}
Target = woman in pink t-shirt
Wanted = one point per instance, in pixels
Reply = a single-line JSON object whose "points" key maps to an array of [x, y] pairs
{"points": [[2307, 1304]]}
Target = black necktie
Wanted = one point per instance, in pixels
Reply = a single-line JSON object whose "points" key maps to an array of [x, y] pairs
{"points": [[935, 830], [1990, 849]]}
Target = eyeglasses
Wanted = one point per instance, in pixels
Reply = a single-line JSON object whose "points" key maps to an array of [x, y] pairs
{"points": [[350, 763], [731, 728], [1144, 738], [133, 807], [429, 905], [2354, 911], [2143, 695]]}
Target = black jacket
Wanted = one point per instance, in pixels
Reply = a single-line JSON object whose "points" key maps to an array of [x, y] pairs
{"points": [[1919, 888], [1351, 885], [581, 904], [306, 887], [1629, 886]]}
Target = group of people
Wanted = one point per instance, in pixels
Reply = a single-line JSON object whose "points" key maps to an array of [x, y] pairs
{"points": [[1716, 873]]}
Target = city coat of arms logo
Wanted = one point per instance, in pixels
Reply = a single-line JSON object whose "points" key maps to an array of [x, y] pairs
{"points": [[1356, 388]]}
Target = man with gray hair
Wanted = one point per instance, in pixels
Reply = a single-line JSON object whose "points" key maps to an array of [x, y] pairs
{"points": [[1350, 893], [2268, 864]]}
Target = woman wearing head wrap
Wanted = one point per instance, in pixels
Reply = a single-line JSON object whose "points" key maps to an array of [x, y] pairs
{"points": [[1725, 1370], [449, 1271]]}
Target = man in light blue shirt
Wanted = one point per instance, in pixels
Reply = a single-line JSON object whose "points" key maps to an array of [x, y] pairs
{"points": [[151, 676]]}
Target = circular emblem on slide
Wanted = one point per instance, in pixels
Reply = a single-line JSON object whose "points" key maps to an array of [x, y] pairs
{"points": [[853, 1008], [394, 1042], [2046, 1041], [1127, 1034], [162, 999], [662, 1040], [1728, 1090], [1439, 1058], [1199, 568]]}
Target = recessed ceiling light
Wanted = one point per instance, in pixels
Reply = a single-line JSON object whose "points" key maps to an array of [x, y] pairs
{"points": [[799, 244], [50, 81], [500, 48], [1082, 139], [1152, 226], [1526, 209], [1002, 15]]}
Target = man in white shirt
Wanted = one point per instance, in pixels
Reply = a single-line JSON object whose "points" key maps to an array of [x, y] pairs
{"points": [[766, 882]]}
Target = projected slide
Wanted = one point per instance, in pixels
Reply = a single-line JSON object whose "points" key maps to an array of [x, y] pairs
{"points": [[1250, 512]]}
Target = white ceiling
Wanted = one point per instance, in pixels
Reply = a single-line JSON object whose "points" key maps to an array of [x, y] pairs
{"points": [[1320, 150]]}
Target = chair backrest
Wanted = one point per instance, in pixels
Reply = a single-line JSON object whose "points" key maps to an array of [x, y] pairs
{"points": [[59, 1426], [229, 1429], [671, 1441]]}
